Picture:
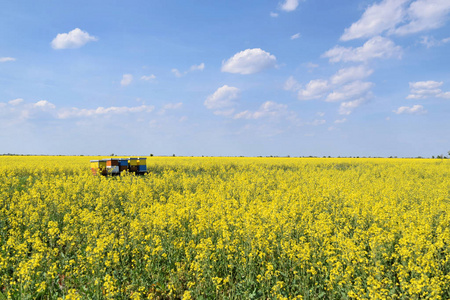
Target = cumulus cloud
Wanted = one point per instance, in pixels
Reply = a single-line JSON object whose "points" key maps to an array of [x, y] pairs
{"points": [[352, 90], [126, 79], [273, 15], [347, 107], [376, 47], [5, 59], [311, 66], [44, 105], [74, 39], [77, 112], [376, 19], [295, 36], [291, 84], [349, 74], [289, 5], [424, 15], [314, 89], [222, 98], [170, 106], [16, 101], [267, 109], [249, 61], [345, 85], [148, 78], [179, 74], [340, 121], [317, 122], [399, 17], [430, 41], [199, 67], [173, 105], [426, 89], [416, 110]]}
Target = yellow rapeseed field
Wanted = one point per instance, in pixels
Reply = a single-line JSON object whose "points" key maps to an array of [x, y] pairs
{"points": [[226, 228]]}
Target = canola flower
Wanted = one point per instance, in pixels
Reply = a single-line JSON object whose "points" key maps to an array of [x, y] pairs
{"points": [[225, 228]]}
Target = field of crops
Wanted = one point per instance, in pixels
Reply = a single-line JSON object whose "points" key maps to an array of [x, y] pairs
{"points": [[226, 228]]}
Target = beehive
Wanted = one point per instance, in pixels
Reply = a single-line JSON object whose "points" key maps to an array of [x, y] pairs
{"points": [[115, 166], [95, 166], [133, 164], [98, 167], [102, 166], [123, 164], [112, 166], [142, 165]]}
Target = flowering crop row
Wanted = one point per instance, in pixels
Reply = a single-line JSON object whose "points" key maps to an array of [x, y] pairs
{"points": [[225, 228]]}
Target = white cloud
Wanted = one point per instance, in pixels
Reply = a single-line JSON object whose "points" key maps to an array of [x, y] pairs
{"points": [[345, 85], [377, 18], [5, 59], [273, 15], [76, 112], [425, 15], [173, 105], [222, 98], [16, 101], [267, 109], [426, 89], [430, 41], [340, 121], [126, 79], [199, 67], [74, 39], [376, 47], [311, 66], [445, 95], [170, 106], [314, 90], [291, 84], [416, 109], [289, 5], [317, 122], [148, 78], [177, 73], [396, 17], [44, 105], [249, 61], [224, 112], [349, 91], [425, 84], [295, 36], [346, 108], [349, 74]]}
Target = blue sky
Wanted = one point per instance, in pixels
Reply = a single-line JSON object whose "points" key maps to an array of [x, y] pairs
{"points": [[225, 78]]}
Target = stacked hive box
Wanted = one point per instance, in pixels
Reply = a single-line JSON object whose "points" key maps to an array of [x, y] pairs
{"points": [[115, 166], [95, 166], [142, 165], [98, 167], [123, 165], [133, 164], [112, 166]]}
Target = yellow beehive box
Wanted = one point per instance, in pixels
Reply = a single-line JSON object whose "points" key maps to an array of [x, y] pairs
{"points": [[94, 166], [102, 166], [142, 161], [132, 161]]}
